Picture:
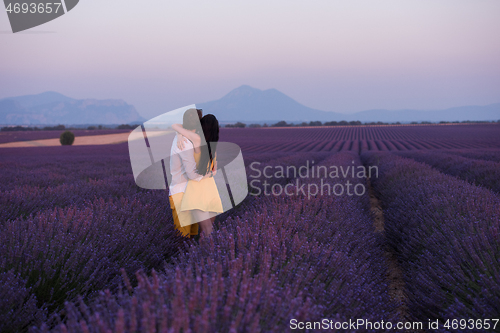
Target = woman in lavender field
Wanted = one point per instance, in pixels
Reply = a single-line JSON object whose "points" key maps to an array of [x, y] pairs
{"points": [[202, 198]]}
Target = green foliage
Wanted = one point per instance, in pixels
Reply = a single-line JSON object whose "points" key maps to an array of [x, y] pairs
{"points": [[237, 125], [281, 124], [67, 138], [125, 126], [315, 123], [16, 128], [54, 128]]}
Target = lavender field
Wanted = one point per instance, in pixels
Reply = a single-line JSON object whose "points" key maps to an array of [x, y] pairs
{"points": [[84, 249]]}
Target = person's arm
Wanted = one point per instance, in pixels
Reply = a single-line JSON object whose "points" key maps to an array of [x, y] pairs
{"points": [[190, 165], [192, 136], [180, 141]]}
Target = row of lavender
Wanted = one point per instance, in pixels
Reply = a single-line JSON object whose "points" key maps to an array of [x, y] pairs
{"points": [[36, 179], [480, 172], [445, 232], [484, 154], [452, 133], [286, 257], [361, 146]]}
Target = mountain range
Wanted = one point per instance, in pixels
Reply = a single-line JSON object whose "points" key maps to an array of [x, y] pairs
{"points": [[53, 108], [245, 104]]}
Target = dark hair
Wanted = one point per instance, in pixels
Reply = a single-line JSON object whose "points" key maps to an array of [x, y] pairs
{"points": [[200, 113], [210, 127], [191, 120]]}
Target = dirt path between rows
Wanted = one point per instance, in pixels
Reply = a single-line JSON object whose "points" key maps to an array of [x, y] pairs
{"points": [[394, 273]]}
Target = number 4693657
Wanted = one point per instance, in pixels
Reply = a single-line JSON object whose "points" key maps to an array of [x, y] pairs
{"points": [[476, 324], [33, 8]]}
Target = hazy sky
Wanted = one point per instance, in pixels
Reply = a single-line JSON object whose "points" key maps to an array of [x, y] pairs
{"points": [[342, 56]]}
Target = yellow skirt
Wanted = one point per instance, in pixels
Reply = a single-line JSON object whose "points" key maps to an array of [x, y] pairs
{"points": [[202, 195], [183, 221]]}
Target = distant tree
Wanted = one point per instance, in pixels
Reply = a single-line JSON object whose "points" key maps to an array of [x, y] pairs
{"points": [[238, 125], [357, 122], [16, 128], [99, 127], [397, 123], [315, 123], [54, 128], [498, 121], [330, 123], [265, 125], [91, 128], [67, 138], [303, 124], [343, 123], [280, 124], [125, 126], [254, 126]]}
